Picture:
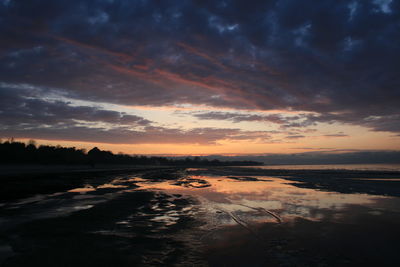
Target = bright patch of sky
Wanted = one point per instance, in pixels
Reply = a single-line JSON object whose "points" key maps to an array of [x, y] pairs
{"points": [[383, 5], [349, 44], [100, 18], [216, 23], [301, 34], [353, 9], [6, 2]]}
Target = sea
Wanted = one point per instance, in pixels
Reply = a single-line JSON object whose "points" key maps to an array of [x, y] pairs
{"points": [[360, 167]]}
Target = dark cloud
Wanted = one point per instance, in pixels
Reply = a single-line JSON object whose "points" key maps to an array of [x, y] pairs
{"points": [[388, 123], [284, 121], [236, 117], [336, 135], [295, 136], [125, 135], [27, 112], [27, 106], [339, 59]]}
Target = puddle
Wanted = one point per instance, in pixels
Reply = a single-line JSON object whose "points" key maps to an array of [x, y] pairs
{"points": [[263, 220], [82, 189], [255, 198]]}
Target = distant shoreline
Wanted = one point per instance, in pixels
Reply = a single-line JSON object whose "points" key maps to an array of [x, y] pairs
{"points": [[333, 166], [34, 169]]}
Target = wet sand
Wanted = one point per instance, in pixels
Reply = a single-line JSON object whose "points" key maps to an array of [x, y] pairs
{"points": [[203, 217], [19, 183]]}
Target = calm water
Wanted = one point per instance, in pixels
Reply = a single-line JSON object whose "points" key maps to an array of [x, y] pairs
{"points": [[263, 220], [253, 200], [210, 220], [363, 167]]}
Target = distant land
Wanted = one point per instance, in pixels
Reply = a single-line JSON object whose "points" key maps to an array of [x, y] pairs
{"points": [[316, 158], [17, 153]]}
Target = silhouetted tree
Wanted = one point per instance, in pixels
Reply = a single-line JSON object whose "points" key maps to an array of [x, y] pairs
{"points": [[17, 153]]}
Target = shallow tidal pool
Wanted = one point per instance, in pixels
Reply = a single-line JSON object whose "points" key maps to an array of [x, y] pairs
{"points": [[200, 220]]}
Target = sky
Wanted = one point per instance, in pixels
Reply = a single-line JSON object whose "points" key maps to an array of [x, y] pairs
{"points": [[202, 77]]}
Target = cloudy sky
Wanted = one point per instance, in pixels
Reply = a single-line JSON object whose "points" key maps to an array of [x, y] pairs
{"points": [[202, 77]]}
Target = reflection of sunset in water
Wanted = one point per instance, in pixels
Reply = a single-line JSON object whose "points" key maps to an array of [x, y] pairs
{"points": [[245, 198], [253, 220]]}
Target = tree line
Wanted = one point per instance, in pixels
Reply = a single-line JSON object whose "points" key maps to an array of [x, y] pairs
{"points": [[13, 152]]}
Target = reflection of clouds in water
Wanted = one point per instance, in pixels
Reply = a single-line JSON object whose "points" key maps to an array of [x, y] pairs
{"points": [[112, 186], [82, 189], [216, 197], [273, 194]]}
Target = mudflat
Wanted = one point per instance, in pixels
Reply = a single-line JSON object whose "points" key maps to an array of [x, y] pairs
{"points": [[218, 216]]}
